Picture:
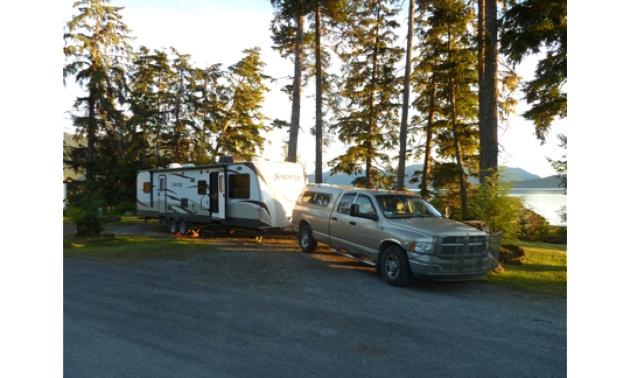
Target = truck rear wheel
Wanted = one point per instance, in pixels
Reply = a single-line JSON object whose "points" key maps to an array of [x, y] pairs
{"points": [[394, 267], [305, 237], [172, 226]]}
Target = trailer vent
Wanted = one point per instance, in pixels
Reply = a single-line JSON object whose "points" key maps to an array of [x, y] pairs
{"points": [[174, 165]]}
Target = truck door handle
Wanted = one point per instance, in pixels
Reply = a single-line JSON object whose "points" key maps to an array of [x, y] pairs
{"points": [[334, 218], [353, 223]]}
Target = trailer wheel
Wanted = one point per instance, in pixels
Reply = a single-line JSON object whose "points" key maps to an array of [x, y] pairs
{"points": [[183, 227], [305, 237], [172, 226], [394, 267]]}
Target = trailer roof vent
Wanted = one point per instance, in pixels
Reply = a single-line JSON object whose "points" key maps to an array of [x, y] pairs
{"points": [[174, 165], [188, 165]]}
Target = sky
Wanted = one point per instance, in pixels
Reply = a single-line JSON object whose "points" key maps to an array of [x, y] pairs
{"points": [[215, 31]]}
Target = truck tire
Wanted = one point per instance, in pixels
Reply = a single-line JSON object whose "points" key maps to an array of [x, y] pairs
{"points": [[394, 267], [183, 227], [305, 237], [172, 226]]}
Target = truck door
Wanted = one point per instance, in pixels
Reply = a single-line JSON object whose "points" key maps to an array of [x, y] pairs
{"points": [[363, 232], [161, 194], [340, 222]]}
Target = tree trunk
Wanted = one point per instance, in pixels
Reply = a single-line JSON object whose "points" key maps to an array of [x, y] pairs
{"points": [[369, 147], [426, 169], [297, 89], [488, 96], [91, 136], [458, 151], [402, 155], [318, 98]]}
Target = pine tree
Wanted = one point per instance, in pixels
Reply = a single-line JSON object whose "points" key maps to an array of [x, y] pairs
{"points": [[96, 51], [369, 122], [239, 129], [402, 154], [327, 14], [539, 27], [288, 35], [446, 81]]}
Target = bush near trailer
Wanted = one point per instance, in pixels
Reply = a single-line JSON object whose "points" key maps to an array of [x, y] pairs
{"points": [[85, 212]]}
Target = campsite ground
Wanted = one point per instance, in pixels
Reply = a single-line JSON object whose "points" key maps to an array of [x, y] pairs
{"points": [[248, 309]]}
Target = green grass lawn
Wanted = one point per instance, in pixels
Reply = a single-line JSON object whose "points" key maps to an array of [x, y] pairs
{"points": [[543, 271]]}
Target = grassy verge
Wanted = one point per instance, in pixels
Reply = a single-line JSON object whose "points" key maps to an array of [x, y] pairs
{"points": [[544, 270], [129, 248]]}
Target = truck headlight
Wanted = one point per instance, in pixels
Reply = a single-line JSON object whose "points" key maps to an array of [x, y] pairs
{"points": [[422, 246]]}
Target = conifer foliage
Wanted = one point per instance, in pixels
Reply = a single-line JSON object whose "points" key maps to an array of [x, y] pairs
{"points": [[149, 107]]}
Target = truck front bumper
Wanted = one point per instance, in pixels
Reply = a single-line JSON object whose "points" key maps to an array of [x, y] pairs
{"points": [[435, 269]]}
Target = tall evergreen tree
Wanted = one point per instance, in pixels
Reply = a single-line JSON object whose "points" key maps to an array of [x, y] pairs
{"points": [[288, 35], [369, 121], [446, 79], [488, 91], [539, 27], [327, 14], [96, 51], [402, 154], [239, 131]]}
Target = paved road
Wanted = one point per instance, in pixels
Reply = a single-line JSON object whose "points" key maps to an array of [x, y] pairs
{"points": [[247, 310]]}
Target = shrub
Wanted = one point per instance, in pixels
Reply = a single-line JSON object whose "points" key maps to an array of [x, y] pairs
{"points": [[85, 213], [490, 203], [533, 227]]}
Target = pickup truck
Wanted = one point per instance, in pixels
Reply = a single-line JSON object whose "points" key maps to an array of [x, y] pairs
{"points": [[399, 233]]}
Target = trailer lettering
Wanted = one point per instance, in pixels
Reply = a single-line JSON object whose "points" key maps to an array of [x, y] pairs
{"points": [[280, 176]]}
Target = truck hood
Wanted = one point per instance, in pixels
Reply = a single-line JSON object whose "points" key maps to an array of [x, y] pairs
{"points": [[433, 226]]}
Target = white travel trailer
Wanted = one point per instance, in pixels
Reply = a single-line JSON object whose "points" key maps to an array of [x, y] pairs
{"points": [[257, 194]]}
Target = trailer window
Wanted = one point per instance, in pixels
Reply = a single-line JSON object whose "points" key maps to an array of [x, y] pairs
{"points": [[146, 187], [239, 186], [202, 187]]}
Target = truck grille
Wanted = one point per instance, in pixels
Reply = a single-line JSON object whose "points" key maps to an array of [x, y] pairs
{"points": [[465, 254], [457, 247]]}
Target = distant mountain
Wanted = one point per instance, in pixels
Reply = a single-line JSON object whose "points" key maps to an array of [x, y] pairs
{"points": [[521, 178], [551, 182]]}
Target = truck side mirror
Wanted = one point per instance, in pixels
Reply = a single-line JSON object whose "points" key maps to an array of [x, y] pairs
{"points": [[447, 211]]}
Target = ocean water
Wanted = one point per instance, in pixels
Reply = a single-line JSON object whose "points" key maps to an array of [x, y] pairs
{"points": [[546, 202]]}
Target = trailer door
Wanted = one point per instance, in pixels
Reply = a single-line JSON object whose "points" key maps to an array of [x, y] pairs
{"points": [[161, 194], [217, 195]]}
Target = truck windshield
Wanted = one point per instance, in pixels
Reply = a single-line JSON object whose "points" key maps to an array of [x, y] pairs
{"points": [[405, 206]]}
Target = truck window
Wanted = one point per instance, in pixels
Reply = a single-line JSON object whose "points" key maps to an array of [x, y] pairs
{"points": [[239, 186], [320, 199], [344, 204], [365, 205]]}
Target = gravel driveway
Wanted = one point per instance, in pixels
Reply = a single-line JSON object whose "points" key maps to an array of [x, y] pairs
{"points": [[267, 310]]}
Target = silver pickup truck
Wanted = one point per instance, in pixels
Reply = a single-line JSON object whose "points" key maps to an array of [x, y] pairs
{"points": [[399, 233]]}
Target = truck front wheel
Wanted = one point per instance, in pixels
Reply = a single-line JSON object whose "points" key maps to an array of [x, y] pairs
{"points": [[394, 267], [305, 237]]}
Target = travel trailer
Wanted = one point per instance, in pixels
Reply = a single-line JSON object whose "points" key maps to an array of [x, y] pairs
{"points": [[234, 193]]}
